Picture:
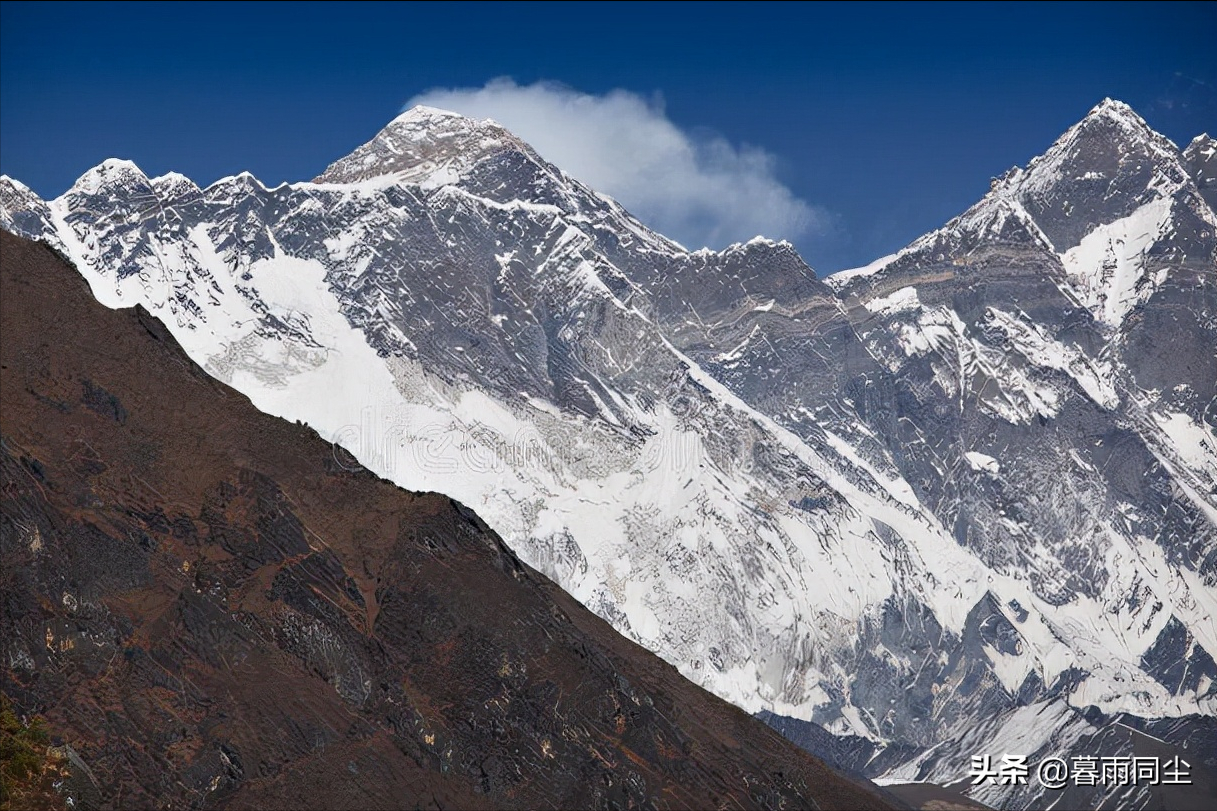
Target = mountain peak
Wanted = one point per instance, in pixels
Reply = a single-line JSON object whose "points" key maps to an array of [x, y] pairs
{"points": [[427, 146], [1112, 121], [1115, 110], [1200, 158], [14, 183], [1204, 144], [1101, 169], [424, 114], [174, 183], [110, 172]]}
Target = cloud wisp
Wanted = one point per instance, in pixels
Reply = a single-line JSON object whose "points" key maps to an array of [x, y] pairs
{"points": [[700, 191]]}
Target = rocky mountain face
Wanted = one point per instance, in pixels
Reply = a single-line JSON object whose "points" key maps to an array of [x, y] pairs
{"points": [[1201, 160], [214, 611], [966, 493]]}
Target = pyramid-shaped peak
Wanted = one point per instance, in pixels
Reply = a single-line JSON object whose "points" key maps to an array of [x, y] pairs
{"points": [[1114, 108], [1203, 145], [1101, 169], [1200, 158], [1111, 128], [1106, 119], [425, 145], [1110, 125]]}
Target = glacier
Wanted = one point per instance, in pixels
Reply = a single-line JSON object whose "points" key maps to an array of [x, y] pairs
{"points": [[963, 484]]}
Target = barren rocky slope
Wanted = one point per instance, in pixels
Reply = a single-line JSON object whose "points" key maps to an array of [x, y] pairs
{"points": [[215, 608]]}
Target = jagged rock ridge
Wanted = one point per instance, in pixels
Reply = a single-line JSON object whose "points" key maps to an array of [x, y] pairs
{"points": [[214, 611], [966, 480]]}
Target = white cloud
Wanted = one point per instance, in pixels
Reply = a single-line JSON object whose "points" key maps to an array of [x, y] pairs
{"points": [[700, 191]]}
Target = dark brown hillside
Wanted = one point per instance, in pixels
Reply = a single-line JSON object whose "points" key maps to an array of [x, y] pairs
{"points": [[212, 613]]}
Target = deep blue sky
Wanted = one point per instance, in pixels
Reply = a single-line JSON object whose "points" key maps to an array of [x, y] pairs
{"points": [[893, 117]]}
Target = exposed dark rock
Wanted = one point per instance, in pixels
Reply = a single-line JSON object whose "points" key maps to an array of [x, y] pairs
{"points": [[209, 615]]}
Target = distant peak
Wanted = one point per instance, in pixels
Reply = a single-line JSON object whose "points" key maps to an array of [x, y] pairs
{"points": [[118, 166], [1109, 112], [1100, 170], [1200, 158], [428, 110], [174, 183], [14, 183], [111, 171], [172, 177], [1202, 145], [1110, 106], [759, 242], [435, 120], [421, 112], [425, 145], [1110, 125]]}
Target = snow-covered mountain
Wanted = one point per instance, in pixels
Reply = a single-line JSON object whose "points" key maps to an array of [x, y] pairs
{"points": [[966, 489]]}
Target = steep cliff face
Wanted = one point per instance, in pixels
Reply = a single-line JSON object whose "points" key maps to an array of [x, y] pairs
{"points": [[971, 484], [501, 351], [216, 608]]}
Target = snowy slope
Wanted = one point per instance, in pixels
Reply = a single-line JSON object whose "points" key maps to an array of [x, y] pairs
{"points": [[951, 485]]}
